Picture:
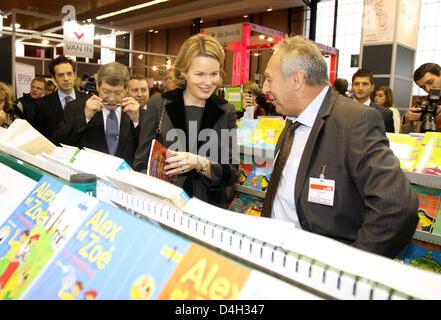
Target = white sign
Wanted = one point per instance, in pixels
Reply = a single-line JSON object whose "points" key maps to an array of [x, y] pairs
{"points": [[225, 34], [24, 73], [108, 55], [78, 39], [409, 19], [378, 21]]}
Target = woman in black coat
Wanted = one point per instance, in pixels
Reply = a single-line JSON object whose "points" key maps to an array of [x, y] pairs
{"points": [[197, 126]]}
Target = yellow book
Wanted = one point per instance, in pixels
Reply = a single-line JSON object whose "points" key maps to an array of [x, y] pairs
{"points": [[406, 149], [267, 133]]}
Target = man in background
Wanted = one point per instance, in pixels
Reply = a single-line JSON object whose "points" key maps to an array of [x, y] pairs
{"points": [[26, 105], [138, 89], [49, 111], [427, 76], [107, 122], [362, 88]]}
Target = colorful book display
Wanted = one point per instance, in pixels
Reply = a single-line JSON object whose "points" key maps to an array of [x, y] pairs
{"points": [[428, 208], [406, 149], [39, 227], [245, 203], [429, 159], [259, 176], [267, 133], [113, 255], [422, 255]]}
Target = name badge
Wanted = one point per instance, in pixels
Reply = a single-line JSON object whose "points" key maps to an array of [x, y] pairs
{"points": [[321, 191]]}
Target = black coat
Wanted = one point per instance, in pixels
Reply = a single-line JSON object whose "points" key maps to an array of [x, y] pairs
{"points": [[49, 113]]}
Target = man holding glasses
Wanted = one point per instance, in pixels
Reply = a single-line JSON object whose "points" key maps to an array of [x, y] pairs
{"points": [[107, 122]]}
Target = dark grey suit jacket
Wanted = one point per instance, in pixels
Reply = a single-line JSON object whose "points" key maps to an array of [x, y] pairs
{"points": [[74, 131], [375, 208], [218, 115], [387, 116]]}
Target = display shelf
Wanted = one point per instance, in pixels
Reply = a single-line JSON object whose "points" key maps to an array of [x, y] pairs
{"points": [[427, 237], [250, 191], [423, 179]]}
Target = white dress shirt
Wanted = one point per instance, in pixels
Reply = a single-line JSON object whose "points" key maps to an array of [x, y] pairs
{"points": [[284, 207]]}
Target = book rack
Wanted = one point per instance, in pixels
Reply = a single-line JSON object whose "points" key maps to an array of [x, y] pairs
{"points": [[339, 272]]}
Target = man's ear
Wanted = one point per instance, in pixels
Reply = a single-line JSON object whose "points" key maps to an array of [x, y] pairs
{"points": [[297, 78]]}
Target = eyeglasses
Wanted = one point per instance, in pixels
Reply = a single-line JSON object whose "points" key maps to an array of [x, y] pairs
{"points": [[108, 93]]}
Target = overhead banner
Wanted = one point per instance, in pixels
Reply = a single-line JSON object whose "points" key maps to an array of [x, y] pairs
{"points": [[24, 73], [78, 39], [225, 34]]}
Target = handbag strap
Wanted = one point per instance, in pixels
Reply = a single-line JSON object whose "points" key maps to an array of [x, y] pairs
{"points": [[158, 130]]}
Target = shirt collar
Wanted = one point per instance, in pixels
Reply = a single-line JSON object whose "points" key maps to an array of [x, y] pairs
{"points": [[307, 117], [62, 95]]}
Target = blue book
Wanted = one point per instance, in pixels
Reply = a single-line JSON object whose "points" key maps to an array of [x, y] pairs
{"points": [[113, 255], [36, 230]]}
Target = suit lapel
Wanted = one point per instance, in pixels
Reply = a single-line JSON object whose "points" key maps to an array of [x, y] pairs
{"points": [[325, 110], [124, 128]]}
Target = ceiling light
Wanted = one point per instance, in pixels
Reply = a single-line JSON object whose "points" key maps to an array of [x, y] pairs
{"points": [[140, 6], [269, 9], [168, 66], [169, 62], [151, 30], [261, 37], [17, 25], [270, 39], [154, 68], [245, 16], [156, 31], [45, 41], [140, 56], [201, 21]]}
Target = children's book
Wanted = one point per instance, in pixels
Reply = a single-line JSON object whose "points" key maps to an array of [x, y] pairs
{"points": [[259, 176], [428, 207], [245, 165], [429, 158], [38, 228], [204, 274], [113, 255], [157, 162], [267, 133], [423, 255], [245, 129], [245, 203], [406, 149]]}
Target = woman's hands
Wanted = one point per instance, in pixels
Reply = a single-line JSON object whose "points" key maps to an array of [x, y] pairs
{"points": [[182, 162]]}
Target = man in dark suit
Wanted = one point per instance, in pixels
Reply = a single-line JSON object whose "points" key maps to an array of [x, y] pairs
{"points": [[334, 172], [107, 122], [362, 88], [49, 110]]}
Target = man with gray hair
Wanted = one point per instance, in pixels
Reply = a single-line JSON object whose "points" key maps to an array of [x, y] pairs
{"points": [[334, 173], [107, 122]]}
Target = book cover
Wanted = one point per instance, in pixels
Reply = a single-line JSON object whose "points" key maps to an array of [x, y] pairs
{"points": [[39, 227], [245, 203], [245, 165], [245, 130], [406, 149], [113, 255], [429, 158], [156, 163], [428, 207], [204, 274], [267, 133], [422, 255], [259, 176]]}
